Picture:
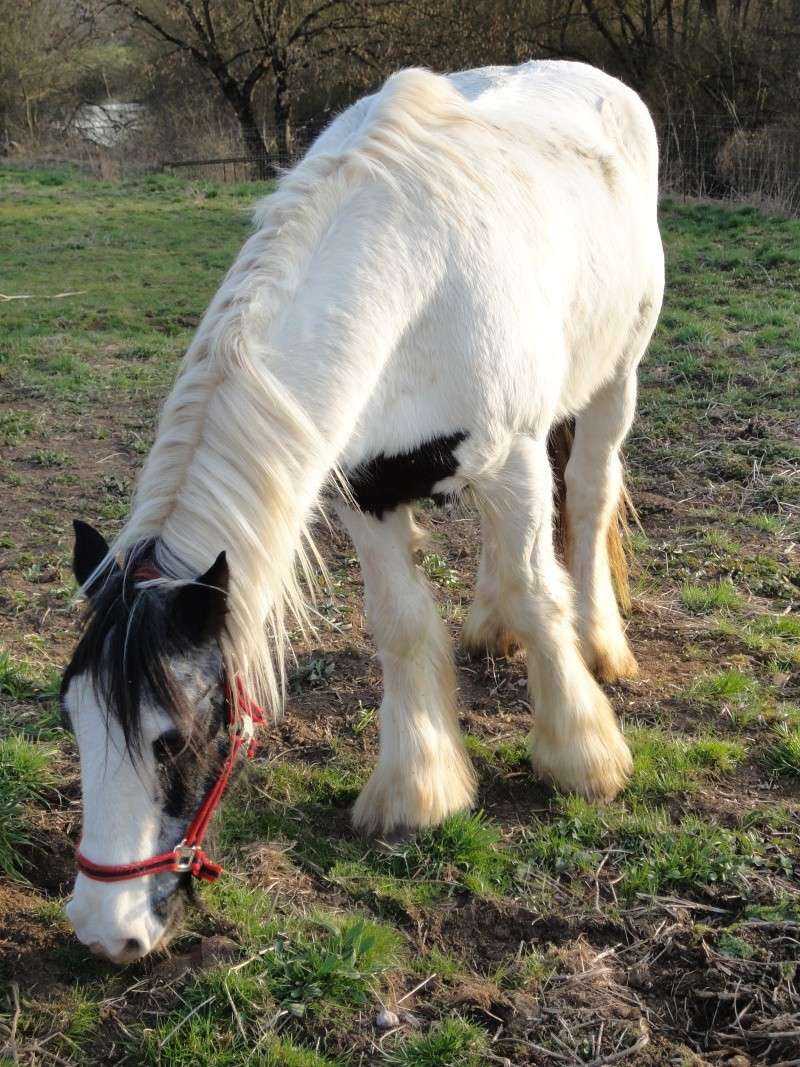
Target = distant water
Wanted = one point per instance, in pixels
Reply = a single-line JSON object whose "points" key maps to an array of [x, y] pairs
{"points": [[108, 124]]}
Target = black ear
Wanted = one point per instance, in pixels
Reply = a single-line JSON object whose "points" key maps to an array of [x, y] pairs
{"points": [[198, 610], [90, 550]]}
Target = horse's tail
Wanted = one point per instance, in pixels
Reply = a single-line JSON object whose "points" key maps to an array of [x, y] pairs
{"points": [[560, 446]]}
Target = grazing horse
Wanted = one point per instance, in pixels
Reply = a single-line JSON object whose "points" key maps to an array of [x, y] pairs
{"points": [[458, 269]]}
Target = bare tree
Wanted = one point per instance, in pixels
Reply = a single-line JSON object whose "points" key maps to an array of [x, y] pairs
{"points": [[243, 43], [42, 46]]}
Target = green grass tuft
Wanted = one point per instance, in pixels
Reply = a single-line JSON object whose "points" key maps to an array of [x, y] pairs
{"points": [[438, 570], [14, 425], [695, 855], [715, 596], [743, 697], [322, 965], [775, 637], [24, 776], [570, 842], [771, 524], [20, 683], [455, 1042], [783, 755], [465, 851], [646, 852], [335, 962], [664, 765]]}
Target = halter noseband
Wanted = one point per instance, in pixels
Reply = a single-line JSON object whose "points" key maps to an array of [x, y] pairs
{"points": [[188, 856]]}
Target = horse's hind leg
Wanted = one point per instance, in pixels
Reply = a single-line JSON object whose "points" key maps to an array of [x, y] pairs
{"points": [[485, 631], [593, 479], [576, 740], [423, 772]]}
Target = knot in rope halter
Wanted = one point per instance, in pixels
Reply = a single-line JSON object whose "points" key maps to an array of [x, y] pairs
{"points": [[188, 857]]}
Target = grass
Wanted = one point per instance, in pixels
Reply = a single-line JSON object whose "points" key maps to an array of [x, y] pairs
{"points": [[665, 765], [439, 571], [695, 856], [25, 775], [715, 596], [649, 853], [36, 689], [200, 1041], [505, 907], [338, 966], [773, 637], [743, 697], [465, 851], [319, 966], [783, 755], [14, 426], [455, 1042]]}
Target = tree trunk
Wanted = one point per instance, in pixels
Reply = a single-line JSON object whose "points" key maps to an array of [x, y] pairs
{"points": [[281, 112], [252, 139], [256, 148]]}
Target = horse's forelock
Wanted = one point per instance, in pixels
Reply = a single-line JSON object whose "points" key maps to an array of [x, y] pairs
{"points": [[125, 648]]}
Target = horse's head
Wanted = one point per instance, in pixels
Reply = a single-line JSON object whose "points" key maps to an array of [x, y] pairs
{"points": [[145, 695]]}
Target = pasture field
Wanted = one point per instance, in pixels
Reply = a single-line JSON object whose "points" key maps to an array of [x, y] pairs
{"points": [[661, 929]]}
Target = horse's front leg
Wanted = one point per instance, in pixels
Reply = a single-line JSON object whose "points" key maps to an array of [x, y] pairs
{"points": [[423, 772], [577, 742]]}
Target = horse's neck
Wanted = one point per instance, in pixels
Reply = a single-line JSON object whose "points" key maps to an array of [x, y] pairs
{"points": [[267, 398]]}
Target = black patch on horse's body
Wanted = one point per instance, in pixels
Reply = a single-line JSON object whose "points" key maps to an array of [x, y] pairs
{"points": [[385, 482]]}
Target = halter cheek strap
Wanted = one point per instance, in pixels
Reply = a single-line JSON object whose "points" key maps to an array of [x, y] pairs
{"points": [[188, 856]]}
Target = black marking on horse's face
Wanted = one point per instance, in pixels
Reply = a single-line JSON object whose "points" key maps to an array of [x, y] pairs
{"points": [[385, 482], [187, 766], [133, 633], [188, 763], [153, 655]]}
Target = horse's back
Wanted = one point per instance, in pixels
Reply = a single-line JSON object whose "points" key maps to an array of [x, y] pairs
{"points": [[507, 216], [577, 101]]}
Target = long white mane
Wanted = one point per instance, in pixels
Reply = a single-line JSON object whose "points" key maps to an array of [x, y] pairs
{"points": [[237, 462]]}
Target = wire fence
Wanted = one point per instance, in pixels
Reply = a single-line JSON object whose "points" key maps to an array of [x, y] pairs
{"points": [[700, 156], [253, 167], [723, 159]]}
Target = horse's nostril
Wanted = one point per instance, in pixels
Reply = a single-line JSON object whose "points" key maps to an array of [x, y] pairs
{"points": [[132, 949]]}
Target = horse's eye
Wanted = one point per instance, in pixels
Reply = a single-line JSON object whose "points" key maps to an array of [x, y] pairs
{"points": [[168, 746]]}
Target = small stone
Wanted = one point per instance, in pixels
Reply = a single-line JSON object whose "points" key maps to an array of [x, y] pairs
{"points": [[386, 1020]]}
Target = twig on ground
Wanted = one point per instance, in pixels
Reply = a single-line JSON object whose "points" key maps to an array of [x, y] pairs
{"points": [[235, 1011], [623, 1054], [416, 988], [43, 296]]}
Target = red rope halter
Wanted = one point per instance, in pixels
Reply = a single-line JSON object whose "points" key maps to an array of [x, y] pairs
{"points": [[188, 856]]}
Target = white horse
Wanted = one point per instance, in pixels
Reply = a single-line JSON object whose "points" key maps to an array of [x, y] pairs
{"points": [[457, 267]]}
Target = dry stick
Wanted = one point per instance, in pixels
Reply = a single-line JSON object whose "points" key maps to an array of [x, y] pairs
{"points": [[44, 296], [249, 960], [415, 989], [12, 1036], [597, 874], [548, 1052], [616, 1057], [770, 1035], [504, 1061]]}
